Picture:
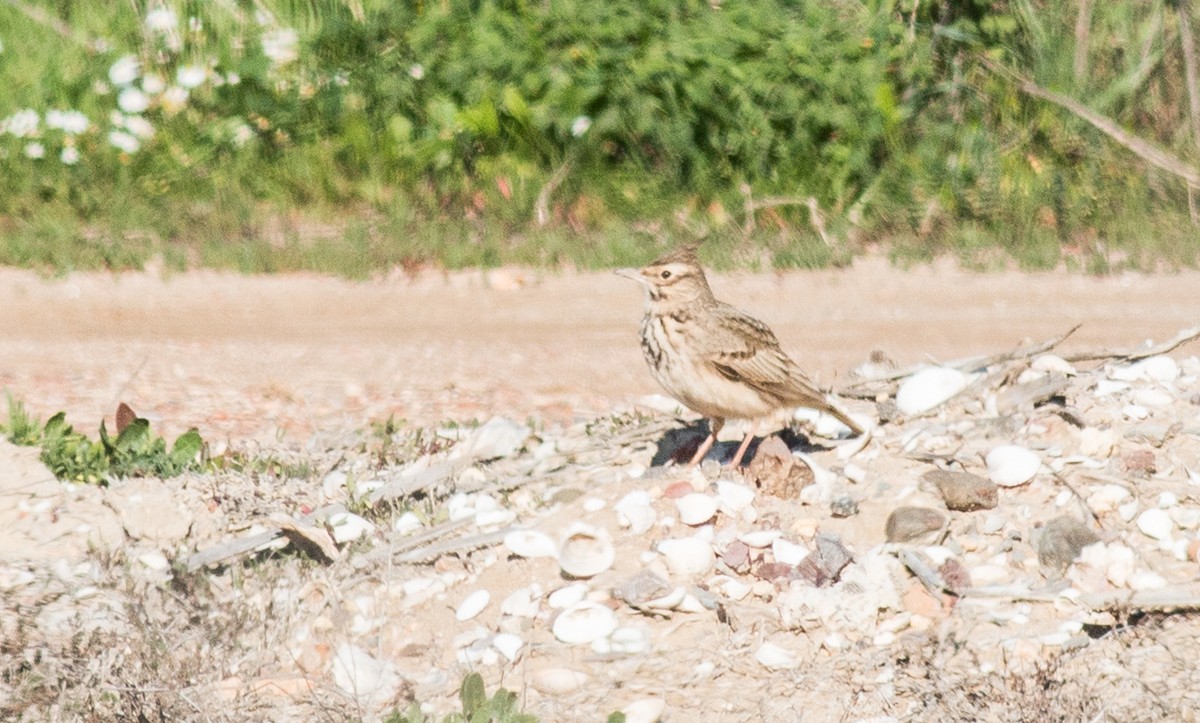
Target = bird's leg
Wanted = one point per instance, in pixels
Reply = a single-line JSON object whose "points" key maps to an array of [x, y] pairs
{"points": [[715, 425], [737, 458]]}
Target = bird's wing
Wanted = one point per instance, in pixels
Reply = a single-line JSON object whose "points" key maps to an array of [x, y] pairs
{"points": [[744, 349]]}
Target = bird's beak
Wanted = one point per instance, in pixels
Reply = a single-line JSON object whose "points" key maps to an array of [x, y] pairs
{"points": [[634, 274]]}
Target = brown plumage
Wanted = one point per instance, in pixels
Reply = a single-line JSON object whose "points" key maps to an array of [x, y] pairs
{"points": [[716, 360]]}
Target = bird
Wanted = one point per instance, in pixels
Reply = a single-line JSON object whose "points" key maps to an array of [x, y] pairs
{"points": [[714, 359]]}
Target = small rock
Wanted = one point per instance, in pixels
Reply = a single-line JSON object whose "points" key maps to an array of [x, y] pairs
{"points": [[963, 491], [844, 506], [1154, 435], [1061, 541], [774, 657], [776, 472], [1139, 463], [907, 524], [646, 710]]}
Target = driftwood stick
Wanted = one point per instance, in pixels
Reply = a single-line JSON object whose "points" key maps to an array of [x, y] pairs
{"points": [[1183, 337]]}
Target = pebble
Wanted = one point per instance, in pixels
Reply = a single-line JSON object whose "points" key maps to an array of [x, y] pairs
{"points": [[1061, 541], [908, 524], [963, 491]]}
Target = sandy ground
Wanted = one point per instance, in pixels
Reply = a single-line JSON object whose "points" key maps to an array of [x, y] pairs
{"points": [[267, 357]]}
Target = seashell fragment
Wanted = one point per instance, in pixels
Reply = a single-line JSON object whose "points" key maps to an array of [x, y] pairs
{"points": [[1051, 363], [1153, 398], [928, 388], [586, 551], [566, 596], [1010, 465], [774, 657], [696, 508], [1152, 369], [635, 512], [1156, 523], [734, 498], [530, 543], [646, 710], [472, 605], [346, 527], [760, 538], [788, 553], [509, 645], [584, 622], [687, 556], [557, 681]]}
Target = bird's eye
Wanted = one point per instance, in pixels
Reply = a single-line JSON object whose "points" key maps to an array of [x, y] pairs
{"points": [[666, 274]]}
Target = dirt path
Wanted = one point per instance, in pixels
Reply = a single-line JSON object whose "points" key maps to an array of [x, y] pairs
{"points": [[258, 357]]}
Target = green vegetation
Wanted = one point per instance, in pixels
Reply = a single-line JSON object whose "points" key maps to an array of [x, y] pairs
{"points": [[476, 707], [71, 456], [357, 137]]}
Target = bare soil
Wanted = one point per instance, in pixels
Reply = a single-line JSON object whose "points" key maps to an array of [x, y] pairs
{"points": [[266, 357]]}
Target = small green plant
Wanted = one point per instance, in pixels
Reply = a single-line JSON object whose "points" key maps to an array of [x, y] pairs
{"points": [[134, 452], [476, 707]]}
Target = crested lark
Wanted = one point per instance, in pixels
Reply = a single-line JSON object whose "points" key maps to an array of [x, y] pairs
{"points": [[714, 359]]}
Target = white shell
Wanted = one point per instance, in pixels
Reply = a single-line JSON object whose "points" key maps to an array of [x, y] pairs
{"points": [[696, 509], [670, 601], [1051, 363], [734, 496], [472, 605], [530, 543], [1156, 369], [520, 603], [584, 622], [646, 710], [1010, 465], [1105, 387], [407, 523], [557, 681], [624, 641], [586, 551], [346, 526], [788, 553], [1146, 580], [508, 644], [760, 538], [566, 596], [776, 658], [687, 556], [1153, 398], [928, 388], [635, 512], [1156, 523]]}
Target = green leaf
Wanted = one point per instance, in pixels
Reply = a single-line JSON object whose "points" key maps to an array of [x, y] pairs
{"points": [[472, 694], [133, 436], [186, 447], [514, 104]]}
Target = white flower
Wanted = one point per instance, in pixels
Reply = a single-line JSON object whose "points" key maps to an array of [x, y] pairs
{"points": [[161, 20], [69, 155], [22, 124], [242, 135], [132, 100], [35, 150], [124, 71], [174, 99], [232, 78], [71, 122], [190, 76], [123, 141], [195, 24], [153, 84], [417, 71], [580, 125], [139, 126], [280, 45]]}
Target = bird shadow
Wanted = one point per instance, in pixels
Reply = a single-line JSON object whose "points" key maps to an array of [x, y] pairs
{"points": [[679, 445]]}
